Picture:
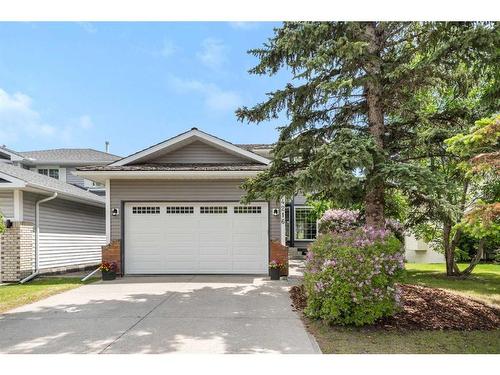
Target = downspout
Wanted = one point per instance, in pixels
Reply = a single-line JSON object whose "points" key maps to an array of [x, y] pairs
{"points": [[37, 236]]}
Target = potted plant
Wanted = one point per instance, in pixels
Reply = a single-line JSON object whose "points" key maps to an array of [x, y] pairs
{"points": [[108, 270], [275, 269]]}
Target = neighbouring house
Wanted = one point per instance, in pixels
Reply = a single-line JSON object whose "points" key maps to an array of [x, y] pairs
{"points": [[55, 220], [174, 208], [60, 163]]}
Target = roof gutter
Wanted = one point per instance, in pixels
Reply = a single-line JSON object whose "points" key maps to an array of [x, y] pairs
{"points": [[37, 237], [101, 176]]}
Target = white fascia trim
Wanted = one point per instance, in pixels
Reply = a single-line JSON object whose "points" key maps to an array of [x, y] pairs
{"points": [[18, 205], [13, 182], [192, 133], [63, 195], [102, 176]]}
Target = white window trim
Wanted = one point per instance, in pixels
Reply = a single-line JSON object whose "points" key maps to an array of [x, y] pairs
{"points": [[295, 224], [38, 167]]}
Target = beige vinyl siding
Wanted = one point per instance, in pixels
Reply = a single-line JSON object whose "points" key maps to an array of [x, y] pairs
{"points": [[198, 152], [73, 179], [176, 190], [71, 233], [7, 203]]}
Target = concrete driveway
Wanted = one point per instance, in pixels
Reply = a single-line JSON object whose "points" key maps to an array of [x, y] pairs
{"points": [[192, 314]]}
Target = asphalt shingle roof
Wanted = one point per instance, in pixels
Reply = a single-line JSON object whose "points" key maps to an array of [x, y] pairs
{"points": [[80, 156], [256, 146], [179, 167], [48, 183]]}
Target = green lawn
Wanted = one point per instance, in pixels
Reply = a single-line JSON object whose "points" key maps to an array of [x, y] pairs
{"points": [[343, 340], [483, 284], [15, 295]]}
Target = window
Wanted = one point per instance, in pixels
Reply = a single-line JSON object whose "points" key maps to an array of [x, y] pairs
{"points": [[247, 210], [180, 210], [145, 210], [305, 224], [51, 172], [213, 210]]}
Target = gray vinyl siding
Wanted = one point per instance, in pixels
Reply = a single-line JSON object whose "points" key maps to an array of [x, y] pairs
{"points": [[73, 179], [71, 233], [197, 152], [176, 190], [274, 223], [7, 203], [299, 200]]}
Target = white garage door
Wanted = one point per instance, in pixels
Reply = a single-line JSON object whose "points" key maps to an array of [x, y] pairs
{"points": [[190, 238]]}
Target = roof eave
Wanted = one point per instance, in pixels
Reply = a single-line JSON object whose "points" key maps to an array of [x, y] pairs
{"points": [[102, 176]]}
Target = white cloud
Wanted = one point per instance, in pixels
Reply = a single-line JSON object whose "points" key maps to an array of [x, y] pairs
{"points": [[213, 53], [168, 48], [19, 120], [244, 25], [214, 97], [88, 27]]}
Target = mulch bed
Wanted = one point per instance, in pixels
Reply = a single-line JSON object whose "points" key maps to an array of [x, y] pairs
{"points": [[427, 308]]}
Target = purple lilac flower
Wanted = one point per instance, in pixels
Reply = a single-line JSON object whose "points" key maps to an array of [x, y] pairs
{"points": [[319, 287], [330, 263]]}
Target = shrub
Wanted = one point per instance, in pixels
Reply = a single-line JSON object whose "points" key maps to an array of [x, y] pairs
{"points": [[2, 224], [350, 276], [338, 221]]}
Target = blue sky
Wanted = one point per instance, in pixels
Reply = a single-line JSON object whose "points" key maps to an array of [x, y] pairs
{"points": [[133, 84]]}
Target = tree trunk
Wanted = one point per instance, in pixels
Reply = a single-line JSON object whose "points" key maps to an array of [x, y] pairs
{"points": [[450, 244], [449, 252], [475, 260], [374, 190]]}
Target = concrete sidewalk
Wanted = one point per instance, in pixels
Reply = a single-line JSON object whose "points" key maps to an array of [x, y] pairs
{"points": [[161, 314]]}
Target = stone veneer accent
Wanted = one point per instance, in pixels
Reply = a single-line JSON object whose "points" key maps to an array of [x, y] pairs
{"points": [[17, 251], [112, 253], [279, 253]]}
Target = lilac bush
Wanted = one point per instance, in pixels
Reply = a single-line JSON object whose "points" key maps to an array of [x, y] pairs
{"points": [[351, 275], [338, 221]]}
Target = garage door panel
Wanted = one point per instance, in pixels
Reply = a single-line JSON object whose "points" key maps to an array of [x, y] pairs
{"points": [[182, 239]]}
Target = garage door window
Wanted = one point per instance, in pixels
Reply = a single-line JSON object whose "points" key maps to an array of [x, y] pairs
{"points": [[145, 210], [247, 210], [180, 210], [213, 210]]}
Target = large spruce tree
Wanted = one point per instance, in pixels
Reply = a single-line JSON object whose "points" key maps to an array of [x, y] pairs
{"points": [[353, 108]]}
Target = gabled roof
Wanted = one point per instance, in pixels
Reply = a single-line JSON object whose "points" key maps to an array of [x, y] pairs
{"points": [[186, 138], [13, 156], [18, 177], [62, 156]]}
